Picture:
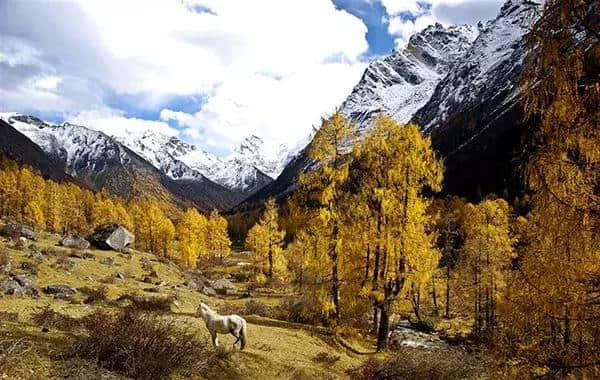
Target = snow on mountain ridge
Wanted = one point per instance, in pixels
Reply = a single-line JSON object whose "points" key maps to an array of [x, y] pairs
{"points": [[400, 84]]}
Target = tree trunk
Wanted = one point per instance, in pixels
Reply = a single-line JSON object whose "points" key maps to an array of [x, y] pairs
{"points": [[375, 319], [384, 326], [567, 335], [335, 290], [434, 296], [447, 292], [270, 264]]}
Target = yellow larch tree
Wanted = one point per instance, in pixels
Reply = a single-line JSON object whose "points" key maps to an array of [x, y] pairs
{"points": [[323, 190], [392, 167], [266, 241], [218, 244], [192, 234]]}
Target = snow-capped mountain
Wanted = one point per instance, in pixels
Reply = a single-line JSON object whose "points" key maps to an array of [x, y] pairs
{"points": [[400, 84], [460, 83], [247, 169], [488, 69], [101, 162]]}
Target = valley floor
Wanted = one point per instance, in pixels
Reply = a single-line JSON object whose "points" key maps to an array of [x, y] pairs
{"points": [[276, 349]]}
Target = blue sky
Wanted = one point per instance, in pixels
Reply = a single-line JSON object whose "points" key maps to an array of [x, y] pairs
{"points": [[209, 71]]}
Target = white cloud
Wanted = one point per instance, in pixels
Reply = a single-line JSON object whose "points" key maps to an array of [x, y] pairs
{"points": [[254, 103], [113, 123], [253, 61], [410, 16]]}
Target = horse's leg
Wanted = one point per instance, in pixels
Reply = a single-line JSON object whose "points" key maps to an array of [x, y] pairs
{"points": [[215, 340]]}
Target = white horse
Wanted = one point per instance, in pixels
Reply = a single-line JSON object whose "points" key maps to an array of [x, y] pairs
{"points": [[227, 324]]}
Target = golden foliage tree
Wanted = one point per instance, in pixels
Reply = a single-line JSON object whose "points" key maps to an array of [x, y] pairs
{"points": [[554, 317], [265, 240], [392, 168], [192, 233], [218, 244], [323, 193]]}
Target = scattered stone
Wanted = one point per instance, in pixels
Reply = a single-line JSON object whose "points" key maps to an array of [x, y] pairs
{"points": [[14, 229], [18, 285], [224, 287], [35, 254], [11, 287], [154, 289], [120, 276], [60, 291], [153, 274], [45, 330], [110, 261], [6, 266], [111, 236], [29, 267], [146, 264], [208, 291], [191, 284], [76, 242]]}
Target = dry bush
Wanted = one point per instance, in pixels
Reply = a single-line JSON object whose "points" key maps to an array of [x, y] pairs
{"points": [[63, 262], [142, 303], [326, 358], [18, 244], [5, 260], [417, 364], [9, 316], [11, 350], [366, 371], [94, 295], [52, 251], [47, 317], [229, 309], [259, 308], [141, 345]]}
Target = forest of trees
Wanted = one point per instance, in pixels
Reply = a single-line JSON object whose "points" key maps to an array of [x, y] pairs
{"points": [[66, 208], [369, 235]]}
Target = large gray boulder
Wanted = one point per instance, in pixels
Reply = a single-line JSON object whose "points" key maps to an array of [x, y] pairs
{"points": [[111, 236], [224, 287], [76, 242], [14, 229]]}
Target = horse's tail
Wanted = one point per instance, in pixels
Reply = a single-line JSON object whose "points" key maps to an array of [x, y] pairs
{"points": [[243, 335]]}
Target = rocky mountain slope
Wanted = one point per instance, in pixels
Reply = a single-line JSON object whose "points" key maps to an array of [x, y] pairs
{"points": [[400, 84], [459, 83], [101, 162], [474, 116], [18, 147]]}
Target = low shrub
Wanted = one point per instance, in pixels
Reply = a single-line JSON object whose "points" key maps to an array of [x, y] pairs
{"points": [[142, 303], [94, 294], [229, 309], [366, 371], [9, 316], [259, 308], [326, 358], [417, 364], [141, 345], [47, 317]]}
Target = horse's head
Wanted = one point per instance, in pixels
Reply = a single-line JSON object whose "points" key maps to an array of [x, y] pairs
{"points": [[203, 309]]}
